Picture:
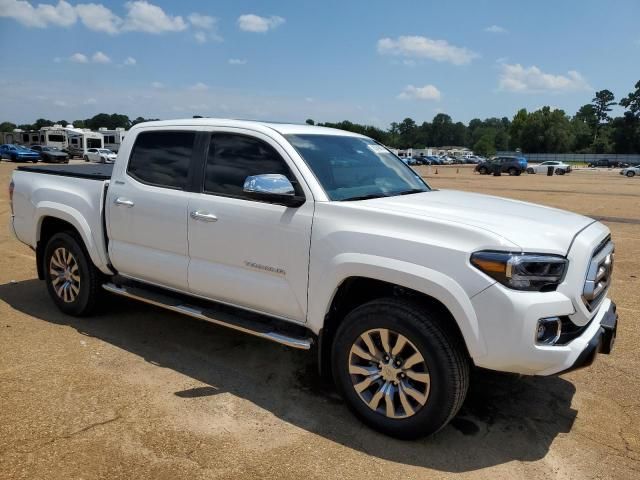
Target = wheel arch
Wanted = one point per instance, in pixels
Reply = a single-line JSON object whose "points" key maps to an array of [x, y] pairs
{"points": [[447, 298], [52, 221]]}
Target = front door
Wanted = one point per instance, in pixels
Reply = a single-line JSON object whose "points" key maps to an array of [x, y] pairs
{"points": [[244, 252], [147, 207]]}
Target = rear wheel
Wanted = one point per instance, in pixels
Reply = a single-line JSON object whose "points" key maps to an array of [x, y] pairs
{"points": [[559, 171], [86, 159], [630, 173], [73, 282], [483, 170], [399, 371], [530, 170], [513, 171]]}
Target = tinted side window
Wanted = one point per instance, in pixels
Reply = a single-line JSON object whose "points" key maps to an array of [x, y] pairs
{"points": [[232, 158], [162, 158]]}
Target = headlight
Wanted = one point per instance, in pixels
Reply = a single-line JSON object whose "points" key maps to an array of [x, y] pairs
{"points": [[541, 273]]}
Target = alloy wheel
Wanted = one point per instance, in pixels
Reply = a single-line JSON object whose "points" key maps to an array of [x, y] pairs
{"points": [[389, 373], [64, 274]]}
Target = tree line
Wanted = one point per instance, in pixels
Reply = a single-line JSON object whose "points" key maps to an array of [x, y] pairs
{"points": [[590, 130]]}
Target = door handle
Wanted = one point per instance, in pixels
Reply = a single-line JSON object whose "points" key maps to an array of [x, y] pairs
{"points": [[123, 202], [203, 216]]}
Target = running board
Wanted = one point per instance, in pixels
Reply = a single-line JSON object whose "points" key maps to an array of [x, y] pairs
{"points": [[260, 325]]}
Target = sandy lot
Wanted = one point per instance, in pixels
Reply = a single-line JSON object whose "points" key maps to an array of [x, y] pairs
{"points": [[136, 392]]}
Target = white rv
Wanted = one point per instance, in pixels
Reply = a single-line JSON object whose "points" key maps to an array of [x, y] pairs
{"points": [[55, 136], [26, 137], [80, 140], [112, 138]]}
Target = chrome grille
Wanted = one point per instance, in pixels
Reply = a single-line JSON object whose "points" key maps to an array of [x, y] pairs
{"points": [[598, 275]]}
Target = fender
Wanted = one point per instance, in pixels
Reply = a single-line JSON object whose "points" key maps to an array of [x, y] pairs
{"points": [[405, 274], [76, 219]]}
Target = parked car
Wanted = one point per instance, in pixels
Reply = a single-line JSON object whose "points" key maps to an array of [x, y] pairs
{"points": [[511, 165], [51, 154], [422, 160], [631, 171], [402, 288], [100, 155], [434, 160], [559, 168], [18, 153], [605, 162]]}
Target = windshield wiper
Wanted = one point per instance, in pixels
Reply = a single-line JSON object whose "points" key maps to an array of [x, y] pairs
{"points": [[413, 190], [365, 197]]}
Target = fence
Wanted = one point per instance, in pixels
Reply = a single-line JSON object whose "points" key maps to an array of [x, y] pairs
{"points": [[633, 159]]}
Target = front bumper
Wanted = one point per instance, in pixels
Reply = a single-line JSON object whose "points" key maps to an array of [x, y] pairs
{"points": [[508, 321], [601, 342]]}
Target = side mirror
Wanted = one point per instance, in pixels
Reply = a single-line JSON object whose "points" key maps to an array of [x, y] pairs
{"points": [[273, 188]]}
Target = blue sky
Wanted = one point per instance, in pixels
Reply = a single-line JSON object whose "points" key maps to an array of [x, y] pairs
{"points": [[367, 61]]}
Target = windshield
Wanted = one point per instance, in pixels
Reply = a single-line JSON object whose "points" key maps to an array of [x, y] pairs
{"points": [[104, 150], [356, 168]]}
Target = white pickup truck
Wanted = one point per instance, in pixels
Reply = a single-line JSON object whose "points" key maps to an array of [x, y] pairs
{"points": [[314, 237]]}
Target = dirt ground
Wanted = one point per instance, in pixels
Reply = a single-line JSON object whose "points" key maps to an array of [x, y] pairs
{"points": [[137, 392]]}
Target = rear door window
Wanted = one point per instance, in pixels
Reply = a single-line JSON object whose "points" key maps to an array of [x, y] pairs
{"points": [[162, 158]]}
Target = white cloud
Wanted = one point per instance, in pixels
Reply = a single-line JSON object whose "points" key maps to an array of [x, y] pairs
{"points": [[199, 87], [428, 92], [423, 47], [257, 24], [495, 29], [516, 78], [130, 61], [99, 18], [90, 101], [237, 61], [78, 58], [204, 22], [157, 84], [100, 57], [200, 37], [61, 15], [146, 17], [60, 103]]}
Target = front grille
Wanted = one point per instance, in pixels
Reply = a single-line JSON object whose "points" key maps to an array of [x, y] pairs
{"points": [[598, 275]]}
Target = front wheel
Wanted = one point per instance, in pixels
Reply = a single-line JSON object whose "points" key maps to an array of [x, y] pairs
{"points": [[530, 170], [72, 280], [559, 171], [630, 174], [86, 159], [513, 171], [483, 171], [398, 369]]}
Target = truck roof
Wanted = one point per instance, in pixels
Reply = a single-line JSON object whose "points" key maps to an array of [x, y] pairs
{"points": [[282, 128]]}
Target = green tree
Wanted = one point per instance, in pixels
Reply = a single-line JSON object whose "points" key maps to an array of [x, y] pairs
{"points": [[632, 101], [42, 122], [310, 121], [517, 126], [602, 103], [485, 145], [7, 127]]}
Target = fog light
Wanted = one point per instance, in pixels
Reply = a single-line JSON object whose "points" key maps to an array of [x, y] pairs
{"points": [[548, 330]]}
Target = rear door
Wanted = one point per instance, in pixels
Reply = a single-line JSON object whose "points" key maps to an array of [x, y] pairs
{"points": [[244, 252], [147, 208]]}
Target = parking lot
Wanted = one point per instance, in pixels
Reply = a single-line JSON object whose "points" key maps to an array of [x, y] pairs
{"points": [[139, 392]]}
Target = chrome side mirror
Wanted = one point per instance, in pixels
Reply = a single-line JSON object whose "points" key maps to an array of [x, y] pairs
{"points": [[273, 188]]}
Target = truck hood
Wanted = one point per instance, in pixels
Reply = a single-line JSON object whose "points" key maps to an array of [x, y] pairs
{"points": [[534, 228]]}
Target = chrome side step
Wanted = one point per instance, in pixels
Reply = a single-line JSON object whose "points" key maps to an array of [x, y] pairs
{"points": [[219, 316]]}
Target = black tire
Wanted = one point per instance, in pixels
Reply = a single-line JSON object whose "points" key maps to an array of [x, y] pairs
{"points": [[630, 174], [85, 158], [443, 352], [513, 171], [530, 170], [560, 171], [483, 170], [90, 278], [14, 158]]}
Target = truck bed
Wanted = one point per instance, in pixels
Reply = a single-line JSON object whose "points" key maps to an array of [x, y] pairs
{"points": [[92, 171]]}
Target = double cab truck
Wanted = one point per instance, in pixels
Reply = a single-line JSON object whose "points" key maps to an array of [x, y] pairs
{"points": [[323, 240]]}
